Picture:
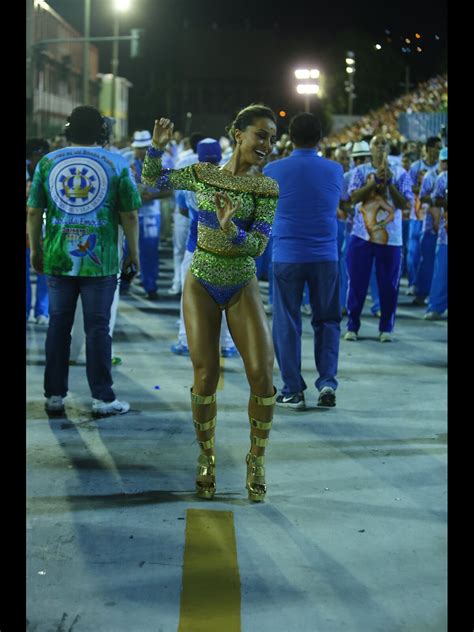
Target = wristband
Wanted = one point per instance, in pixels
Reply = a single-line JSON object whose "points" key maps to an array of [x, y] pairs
{"points": [[155, 152]]}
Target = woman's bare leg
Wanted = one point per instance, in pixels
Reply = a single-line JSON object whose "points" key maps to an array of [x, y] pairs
{"points": [[202, 319], [249, 327]]}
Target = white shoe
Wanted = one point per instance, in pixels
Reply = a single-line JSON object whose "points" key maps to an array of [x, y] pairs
{"points": [[306, 310], [385, 337], [410, 290], [100, 408], [42, 320], [432, 316], [351, 335], [174, 290], [54, 404]]}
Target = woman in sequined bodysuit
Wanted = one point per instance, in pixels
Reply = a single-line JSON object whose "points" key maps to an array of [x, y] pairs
{"points": [[236, 210]]}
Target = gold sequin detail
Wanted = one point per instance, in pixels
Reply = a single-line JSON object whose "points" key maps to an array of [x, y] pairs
{"points": [[218, 260]]}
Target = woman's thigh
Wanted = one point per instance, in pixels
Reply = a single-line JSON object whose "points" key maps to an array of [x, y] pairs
{"points": [[202, 319], [250, 330]]}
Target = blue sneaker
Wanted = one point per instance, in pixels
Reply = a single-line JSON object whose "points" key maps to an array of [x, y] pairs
{"points": [[229, 352], [179, 349]]}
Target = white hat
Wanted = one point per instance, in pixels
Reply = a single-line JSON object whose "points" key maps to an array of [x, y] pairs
{"points": [[141, 139], [360, 149]]}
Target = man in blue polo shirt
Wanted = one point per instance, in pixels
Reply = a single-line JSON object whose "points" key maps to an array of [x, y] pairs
{"points": [[305, 251]]}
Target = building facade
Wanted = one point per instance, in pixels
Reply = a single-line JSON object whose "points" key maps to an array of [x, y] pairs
{"points": [[55, 70]]}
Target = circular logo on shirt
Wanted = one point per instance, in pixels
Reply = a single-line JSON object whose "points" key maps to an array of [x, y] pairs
{"points": [[78, 185]]}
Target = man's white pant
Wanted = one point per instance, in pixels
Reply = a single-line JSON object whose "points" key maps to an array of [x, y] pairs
{"points": [[226, 338], [180, 238]]}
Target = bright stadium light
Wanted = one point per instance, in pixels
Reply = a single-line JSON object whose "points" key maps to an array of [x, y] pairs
{"points": [[307, 88], [377, 46], [302, 74], [122, 5], [349, 84]]}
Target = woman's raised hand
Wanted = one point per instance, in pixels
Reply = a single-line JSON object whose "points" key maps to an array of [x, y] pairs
{"points": [[225, 209], [162, 132]]}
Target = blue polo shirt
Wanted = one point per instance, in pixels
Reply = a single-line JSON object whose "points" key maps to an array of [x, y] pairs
{"points": [[305, 225]]}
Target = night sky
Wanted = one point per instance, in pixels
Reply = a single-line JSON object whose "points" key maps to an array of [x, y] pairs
{"points": [[305, 31], [320, 20]]}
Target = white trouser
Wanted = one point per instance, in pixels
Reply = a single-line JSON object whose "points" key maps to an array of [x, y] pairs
{"points": [[180, 237], [226, 339]]}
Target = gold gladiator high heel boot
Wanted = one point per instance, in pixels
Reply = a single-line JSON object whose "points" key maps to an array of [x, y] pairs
{"points": [[204, 406], [259, 433]]}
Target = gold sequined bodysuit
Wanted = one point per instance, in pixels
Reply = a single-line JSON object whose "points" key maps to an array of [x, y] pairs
{"points": [[223, 263]]}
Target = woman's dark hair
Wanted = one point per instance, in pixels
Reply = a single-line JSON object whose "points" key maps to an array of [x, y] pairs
{"points": [[247, 116], [305, 129], [86, 125]]}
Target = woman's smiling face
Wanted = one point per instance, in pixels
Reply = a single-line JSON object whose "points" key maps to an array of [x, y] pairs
{"points": [[257, 140]]}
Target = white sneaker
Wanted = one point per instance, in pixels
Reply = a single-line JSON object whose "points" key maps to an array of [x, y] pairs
{"points": [[174, 290], [410, 290], [42, 320], [432, 316], [54, 404], [100, 408], [351, 335], [385, 337]]}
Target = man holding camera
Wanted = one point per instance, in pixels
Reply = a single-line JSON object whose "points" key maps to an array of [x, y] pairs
{"points": [[87, 191]]}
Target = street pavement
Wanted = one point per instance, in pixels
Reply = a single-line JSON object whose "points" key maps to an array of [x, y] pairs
{"points": [[351, 537]]}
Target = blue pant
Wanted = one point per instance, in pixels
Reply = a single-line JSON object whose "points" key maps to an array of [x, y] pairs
{"points": [[374, 288], [343, 272], [305, 300], [438, 301], [148, 242], [41, 300], [361, 256], [97, 294], [374, 291], [323, 282], [405, 239], [424, 273], [413, 254]]}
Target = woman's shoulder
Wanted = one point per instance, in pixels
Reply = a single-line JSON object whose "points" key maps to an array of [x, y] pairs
{"points": [[257, 184]]}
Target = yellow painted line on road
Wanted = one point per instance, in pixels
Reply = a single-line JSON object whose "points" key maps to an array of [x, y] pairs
{"points": [[210, 599], [220, 383]]}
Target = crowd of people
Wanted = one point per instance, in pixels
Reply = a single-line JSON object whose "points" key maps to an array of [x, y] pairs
{"points": [[430, 96], [322, 230]]}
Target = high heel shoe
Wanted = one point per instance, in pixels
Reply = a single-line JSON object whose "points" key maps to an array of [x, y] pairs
{"points": [[255, 483], [206, 476], [206, 468]]}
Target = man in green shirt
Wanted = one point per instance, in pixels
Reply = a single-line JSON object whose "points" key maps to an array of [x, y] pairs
{"points": [[87, 191]]}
